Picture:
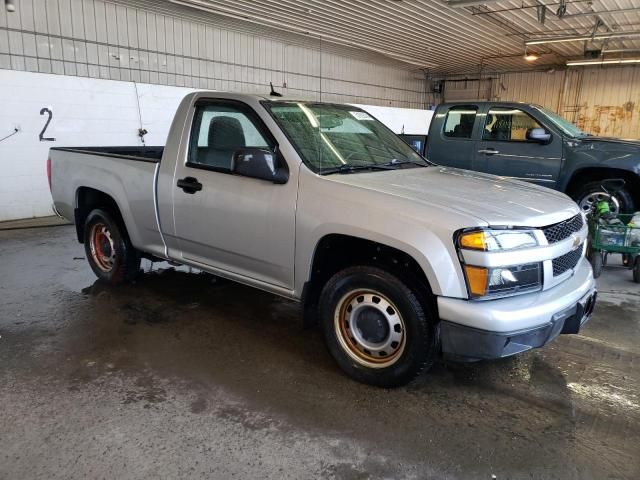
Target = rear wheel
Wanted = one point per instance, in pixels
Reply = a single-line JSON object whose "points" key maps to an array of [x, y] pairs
{"points": [[109, 251], [636, 269], [375, 327]]}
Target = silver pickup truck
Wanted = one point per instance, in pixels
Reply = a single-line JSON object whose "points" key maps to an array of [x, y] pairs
{"points": [[398, 260]]}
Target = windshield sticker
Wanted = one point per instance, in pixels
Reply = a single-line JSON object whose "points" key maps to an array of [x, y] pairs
{"points": [[361, 115]]}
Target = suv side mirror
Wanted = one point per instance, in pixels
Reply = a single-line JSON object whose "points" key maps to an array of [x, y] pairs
{"points": [[259, 163], [539, 135]]}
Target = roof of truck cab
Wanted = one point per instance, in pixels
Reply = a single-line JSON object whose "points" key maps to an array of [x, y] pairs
{"points": [[284, 98]]}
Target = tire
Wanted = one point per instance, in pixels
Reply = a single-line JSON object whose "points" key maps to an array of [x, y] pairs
{"points": [[595, 258], [584, 197], [108, 248], [375, 327], [636, 270]]}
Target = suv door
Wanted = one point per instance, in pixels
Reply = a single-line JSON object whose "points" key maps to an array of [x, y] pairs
{"points": [[230, 222], [505, 148], [453, 144]]}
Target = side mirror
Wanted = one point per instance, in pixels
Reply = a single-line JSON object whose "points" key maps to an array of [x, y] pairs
{"points": [[539, 135], [259, 163]]}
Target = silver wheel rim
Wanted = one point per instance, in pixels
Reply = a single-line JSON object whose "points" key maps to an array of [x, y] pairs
{"points": [[102, 247], [369, 328], [588, 201]]}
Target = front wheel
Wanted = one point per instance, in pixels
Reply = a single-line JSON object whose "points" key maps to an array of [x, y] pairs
{"points": [[591, 193], [375, 327], [636, 269], [109, 251], [596, 260]]}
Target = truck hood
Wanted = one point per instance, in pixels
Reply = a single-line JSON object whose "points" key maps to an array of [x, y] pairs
{"points": [[494, 200]]}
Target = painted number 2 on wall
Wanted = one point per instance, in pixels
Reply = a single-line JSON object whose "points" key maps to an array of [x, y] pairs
{"points": [[44, 111]]}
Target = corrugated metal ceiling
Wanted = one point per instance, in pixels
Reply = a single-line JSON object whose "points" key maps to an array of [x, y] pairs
{"points": [[445, 40]]}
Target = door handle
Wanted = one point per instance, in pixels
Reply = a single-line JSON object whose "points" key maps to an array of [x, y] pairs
{"points": [[488, 151], [189, 185]]}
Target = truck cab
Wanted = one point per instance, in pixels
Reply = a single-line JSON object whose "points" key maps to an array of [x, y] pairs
{"points": [[528, 142]]}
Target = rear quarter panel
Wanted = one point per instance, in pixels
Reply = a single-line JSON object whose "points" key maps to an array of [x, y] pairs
{"points": [[129, 182]]}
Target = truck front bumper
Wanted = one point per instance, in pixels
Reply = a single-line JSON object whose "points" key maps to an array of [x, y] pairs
{"points": [[476, 330]]}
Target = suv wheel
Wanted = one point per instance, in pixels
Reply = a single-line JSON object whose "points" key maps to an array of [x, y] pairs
{"points": [[376, 328], [109, 251], [592, 192]]}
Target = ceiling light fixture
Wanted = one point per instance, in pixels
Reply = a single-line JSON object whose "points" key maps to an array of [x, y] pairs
{"points": [[531, 57], [582, 38], [614, 61]]}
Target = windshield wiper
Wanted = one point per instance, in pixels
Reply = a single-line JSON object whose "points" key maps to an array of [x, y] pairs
{"points": [[348, 168], [392, 165], [395, 162]]}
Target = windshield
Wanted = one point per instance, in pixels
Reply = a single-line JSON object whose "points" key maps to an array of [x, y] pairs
{"points": [[342, 138], [564, 125]]}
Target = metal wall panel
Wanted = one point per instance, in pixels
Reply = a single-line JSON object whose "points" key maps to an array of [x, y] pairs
{"points": [[113, 40]]}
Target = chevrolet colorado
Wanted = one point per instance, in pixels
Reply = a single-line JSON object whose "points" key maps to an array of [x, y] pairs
{"points": [[398, 259]]}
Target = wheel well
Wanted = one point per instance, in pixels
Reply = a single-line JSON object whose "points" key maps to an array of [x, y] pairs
{"points": [[586, 175], [88, 199], [335, 252]]}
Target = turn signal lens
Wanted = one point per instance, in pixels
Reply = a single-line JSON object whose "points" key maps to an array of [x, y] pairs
{"points": [[503, 281], [477, 280], [474, 240]]}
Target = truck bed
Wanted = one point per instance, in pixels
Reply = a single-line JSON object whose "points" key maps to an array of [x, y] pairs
{"points": [[126, 174], [143, 154]]}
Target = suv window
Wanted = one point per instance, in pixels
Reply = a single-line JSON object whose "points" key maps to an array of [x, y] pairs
{"points": [[218, 131], [459, 121], [508, 124]]}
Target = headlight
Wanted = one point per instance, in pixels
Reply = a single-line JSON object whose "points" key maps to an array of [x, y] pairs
{"points": [[493, 240], [486, 282]]}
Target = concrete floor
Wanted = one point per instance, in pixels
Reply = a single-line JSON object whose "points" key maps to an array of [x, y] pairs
{"points": [[178, 376]]}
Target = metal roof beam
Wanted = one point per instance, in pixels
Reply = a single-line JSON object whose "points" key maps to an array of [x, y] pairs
{"points": [[468, 3], [582, 38], [604, 12]]}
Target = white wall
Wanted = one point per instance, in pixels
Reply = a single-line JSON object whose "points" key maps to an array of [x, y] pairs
{"points": [[85, 112], [408, 121]]}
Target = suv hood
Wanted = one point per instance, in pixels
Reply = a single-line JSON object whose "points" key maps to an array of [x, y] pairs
{"points": [[494, 200], [619, 141]]}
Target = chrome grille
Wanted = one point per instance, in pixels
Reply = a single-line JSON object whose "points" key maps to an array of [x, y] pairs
{"points": [[559, 231], [567, 261]]}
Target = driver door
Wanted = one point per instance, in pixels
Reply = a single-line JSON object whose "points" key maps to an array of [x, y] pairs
{"points": [[235, 224], [505, 150]]}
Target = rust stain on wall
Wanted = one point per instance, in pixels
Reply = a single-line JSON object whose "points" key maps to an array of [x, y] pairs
{"points": [[607, 120]]}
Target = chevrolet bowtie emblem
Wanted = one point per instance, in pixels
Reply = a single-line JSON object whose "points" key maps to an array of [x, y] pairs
{"points": [[576, 241]]}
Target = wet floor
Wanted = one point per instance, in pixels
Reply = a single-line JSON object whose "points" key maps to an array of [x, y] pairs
{"points": [[181, 376]]}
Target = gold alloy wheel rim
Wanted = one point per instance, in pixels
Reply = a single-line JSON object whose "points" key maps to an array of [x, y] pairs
{"points": [[370, 328], [102, 247]]}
